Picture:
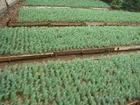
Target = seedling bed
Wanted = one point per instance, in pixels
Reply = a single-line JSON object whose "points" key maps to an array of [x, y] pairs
{"points": [[82, 80], [23, 40], [71, 3], [16, 22], [39, 14]]}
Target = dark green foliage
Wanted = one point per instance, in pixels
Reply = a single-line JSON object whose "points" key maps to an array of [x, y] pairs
{"points": [[127, 4], [117, 3], [132, 4], [108, 81]]}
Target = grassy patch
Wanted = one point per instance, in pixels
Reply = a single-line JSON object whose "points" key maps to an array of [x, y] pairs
{"points": [[72, 3], [76, 15], [108, 81], [41, 40]]}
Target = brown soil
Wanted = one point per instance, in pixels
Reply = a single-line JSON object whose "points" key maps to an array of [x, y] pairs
{"points": [[134, 102], [62, 24], [10, 14]]}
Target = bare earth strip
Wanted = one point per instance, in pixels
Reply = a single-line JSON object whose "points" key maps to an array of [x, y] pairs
{"points": [[63, 24], [69, 52], [62, 6]]}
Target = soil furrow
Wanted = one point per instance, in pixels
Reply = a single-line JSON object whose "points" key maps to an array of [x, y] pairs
{"points": [[63, 24], [69, 52]]}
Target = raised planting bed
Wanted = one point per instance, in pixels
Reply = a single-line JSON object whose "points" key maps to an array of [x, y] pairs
{"points": [[104, 81], [37, 14], [36, 40], [72, 3]]}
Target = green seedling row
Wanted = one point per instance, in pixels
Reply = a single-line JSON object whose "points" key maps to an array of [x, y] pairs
{"points": [[108, 81], [42, 39], [72, 3], [32, 14]]}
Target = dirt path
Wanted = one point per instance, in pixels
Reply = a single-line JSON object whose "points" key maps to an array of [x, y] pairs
{"points": [[64, 58]]}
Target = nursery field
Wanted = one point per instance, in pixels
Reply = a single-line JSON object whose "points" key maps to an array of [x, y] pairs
{"points": [[69, 52], [42, 39], [72, 3], [32, 14], [79, 82]]}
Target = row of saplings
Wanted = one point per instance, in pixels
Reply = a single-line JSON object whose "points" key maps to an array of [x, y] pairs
{"points": [[126, 4]]}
